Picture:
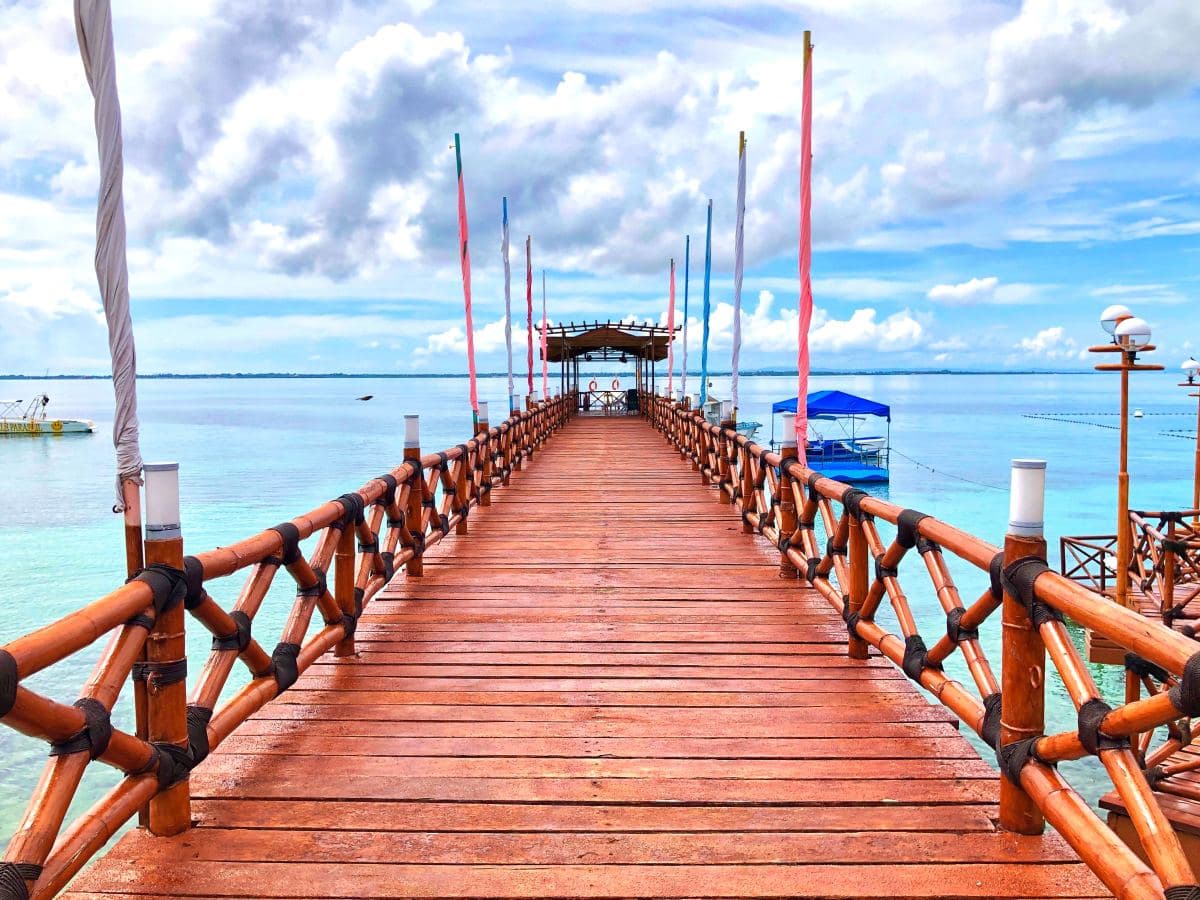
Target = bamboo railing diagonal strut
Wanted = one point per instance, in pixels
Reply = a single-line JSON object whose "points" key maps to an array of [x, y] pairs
{"points": [[364, 538], [856, 572]]}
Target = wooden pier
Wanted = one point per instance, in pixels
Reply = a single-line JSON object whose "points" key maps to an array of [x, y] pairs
{"points": [[570, 702], [596, 657]]}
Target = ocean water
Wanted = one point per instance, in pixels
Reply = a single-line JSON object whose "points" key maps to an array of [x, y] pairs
{"points": [[254, 452]]}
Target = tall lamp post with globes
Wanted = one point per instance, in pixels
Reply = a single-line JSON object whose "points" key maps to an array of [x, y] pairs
{"points": [[1130, 336], [1191, 369]]}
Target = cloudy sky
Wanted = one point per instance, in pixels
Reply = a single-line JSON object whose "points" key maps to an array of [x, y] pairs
{"points": [[988, 176]]}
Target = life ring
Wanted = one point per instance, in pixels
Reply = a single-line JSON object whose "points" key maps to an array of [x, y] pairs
{"points": [[592, 385], [616, 385]]}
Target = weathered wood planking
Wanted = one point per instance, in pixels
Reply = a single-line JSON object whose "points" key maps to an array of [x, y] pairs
{"points": [[604, 690]]}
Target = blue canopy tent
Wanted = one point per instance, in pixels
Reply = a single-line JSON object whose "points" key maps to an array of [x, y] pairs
{"points": [[851, 458]]}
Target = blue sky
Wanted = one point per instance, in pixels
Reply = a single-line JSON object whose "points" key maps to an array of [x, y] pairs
{"points": [[987, 176]]}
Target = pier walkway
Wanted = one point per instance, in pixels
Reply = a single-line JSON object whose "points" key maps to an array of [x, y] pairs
{"points": [[603, 690]]}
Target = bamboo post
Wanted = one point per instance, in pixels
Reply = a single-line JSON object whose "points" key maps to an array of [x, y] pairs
{"points": [[1023, 661], [462, 492], [787, 503], [412, 454], [135, 559], [859, 562], [724, 475], [343, 583], [166, 705], [747, 490], [484, 430]]}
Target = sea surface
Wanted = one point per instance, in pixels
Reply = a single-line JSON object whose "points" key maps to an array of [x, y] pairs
{"points": [[254, 452]]}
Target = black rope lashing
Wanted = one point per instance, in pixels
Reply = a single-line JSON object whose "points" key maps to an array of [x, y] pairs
{"points": [[1143, 668], [925, 545], [239, 638], [359, 597], [954, 630], [371, 546], [198, 718], [167, 584], [1177, 547], [1182, 892], [813, 563], [389, 490], [95, 734], [13, 877], [1019, 578], [850, 618], [1091, 714], [352, 510], [159, 674], [289, 534], [990, 731], [832, 549], [1185, 696], [193, 571], [418, 543], [141, 620], [812, 480], [852, 501], [882, 571], [785, 543], [916, 657], [395, 521], [428, 502], [8, 682], [172, 764], [286, 666], [1014, 757], [907, 525], [318, 587], [389, 564], [996, 574]]}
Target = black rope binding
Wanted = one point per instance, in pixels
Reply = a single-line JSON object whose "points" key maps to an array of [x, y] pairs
{"points": [[916, 657], [907, 524], [286, 667], [813, 563], [852, 501], [198, 718], [1143, 668], [1019, 578], [8, 682], [991, 719], [1091, 714], [954, 630], [396, 521], [141, 620], [850, 618], [1012, 758], [1182, 892], [193, 571], [371, 546], [1185, 696], [167, 584], [996, 574], [882, 571], [389, 491], [925, 545], [13, 877], [318, 587], [352, 510], [389, 564], [172, 764], [159, 674], [1179, 547], [95, 734], [418, 543], [289, 534], [239, 638], [832, 549]]}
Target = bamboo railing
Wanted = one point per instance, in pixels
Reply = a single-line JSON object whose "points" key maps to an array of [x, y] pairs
{"points": [[857, 571], [394, 519]]}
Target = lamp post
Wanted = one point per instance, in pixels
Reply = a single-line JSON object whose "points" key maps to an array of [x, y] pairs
{"points": [[1191, 368], [1131, 336]]}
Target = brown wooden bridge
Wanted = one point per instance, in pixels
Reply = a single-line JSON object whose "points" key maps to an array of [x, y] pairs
{"points": [[591, 681]]}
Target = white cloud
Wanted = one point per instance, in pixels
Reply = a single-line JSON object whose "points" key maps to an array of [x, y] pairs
{"points": [[1051, 344], [973, 291]]}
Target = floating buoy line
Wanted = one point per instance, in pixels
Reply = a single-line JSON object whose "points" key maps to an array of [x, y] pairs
{"points": [[919, 464]]}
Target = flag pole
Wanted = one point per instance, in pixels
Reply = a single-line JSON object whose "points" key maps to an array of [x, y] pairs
{"points": [[707, 309], [687, 255], [466, 277], [507, 299], [671, 336], [738, 262], [806, 300], [529, 309], [545, 361]]}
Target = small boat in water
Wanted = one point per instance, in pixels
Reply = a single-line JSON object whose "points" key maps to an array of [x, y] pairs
{"points": [[849, 457], [31, 419]]}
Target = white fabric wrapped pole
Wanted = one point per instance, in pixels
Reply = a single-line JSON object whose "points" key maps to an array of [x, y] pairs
{"points": [[93, 25], [738, 259]]}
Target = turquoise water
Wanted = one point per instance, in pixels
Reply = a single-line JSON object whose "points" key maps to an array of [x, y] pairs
{"points": [[254, 452]]}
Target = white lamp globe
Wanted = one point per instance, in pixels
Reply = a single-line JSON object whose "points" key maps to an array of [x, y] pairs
{"points": [[1112, 315], [1133, 333], [1190, 368]]}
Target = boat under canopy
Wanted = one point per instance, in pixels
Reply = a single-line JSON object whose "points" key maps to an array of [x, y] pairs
{"points": [[849, 457]]}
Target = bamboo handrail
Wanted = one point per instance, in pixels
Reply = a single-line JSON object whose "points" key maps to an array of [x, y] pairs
{"points": [[857, 570], [364, 538]]}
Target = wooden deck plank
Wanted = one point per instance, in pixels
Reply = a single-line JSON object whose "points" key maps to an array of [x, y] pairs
{"points": [[577, 700]]}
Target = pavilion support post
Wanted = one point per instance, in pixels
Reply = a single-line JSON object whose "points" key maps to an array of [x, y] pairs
{"points": [[416, 489], [1023, 703], [166, 704]]}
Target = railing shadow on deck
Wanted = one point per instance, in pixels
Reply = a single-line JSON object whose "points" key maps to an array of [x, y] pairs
{"points": [[394, 518], [856, 571]]}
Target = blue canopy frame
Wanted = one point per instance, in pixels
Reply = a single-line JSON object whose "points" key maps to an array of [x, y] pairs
{"points": [[836, 403]]}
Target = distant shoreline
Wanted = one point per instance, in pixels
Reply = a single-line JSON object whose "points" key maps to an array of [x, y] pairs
{"points": [[775, 373]]}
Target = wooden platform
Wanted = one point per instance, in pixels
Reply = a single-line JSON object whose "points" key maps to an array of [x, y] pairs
{"points": [[605, 690]]}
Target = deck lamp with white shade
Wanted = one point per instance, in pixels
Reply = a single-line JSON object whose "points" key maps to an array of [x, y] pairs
{"points": [[1112, 316], [1027, 498], [412, 431], [1190, 369], [162, 500], [1132, 333]]}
